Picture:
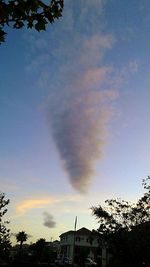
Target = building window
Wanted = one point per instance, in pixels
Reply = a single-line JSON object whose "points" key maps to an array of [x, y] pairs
{"points": [[78, 239]]}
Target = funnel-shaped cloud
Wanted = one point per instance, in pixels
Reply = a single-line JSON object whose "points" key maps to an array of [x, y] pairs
{"points": [[81, 96], [78, 119], [49, 220]]}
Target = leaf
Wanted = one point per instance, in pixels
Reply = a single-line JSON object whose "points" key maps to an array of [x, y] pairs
{"points": [[2, 36], [41, 25], [48, 15], [29, 13], [18, 25], [30, 24]]}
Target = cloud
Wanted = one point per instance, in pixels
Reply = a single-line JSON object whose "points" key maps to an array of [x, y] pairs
{"points": [[93, 77], [81, 87], [29, 204], [78, 118], [32, 204], [49, 220], [80, 105]]}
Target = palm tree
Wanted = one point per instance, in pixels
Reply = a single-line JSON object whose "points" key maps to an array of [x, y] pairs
{"points": [[21, 237]]}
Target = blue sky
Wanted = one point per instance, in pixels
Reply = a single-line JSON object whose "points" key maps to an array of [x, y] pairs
{"points": [[74, 114]]}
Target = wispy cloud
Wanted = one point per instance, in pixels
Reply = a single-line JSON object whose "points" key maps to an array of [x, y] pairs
{"points": [[49, 220], [32, 204], [35, 203]]}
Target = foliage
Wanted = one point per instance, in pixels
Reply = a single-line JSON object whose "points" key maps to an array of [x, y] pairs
{"points": [[29, 13], [40, 250], [4, 232], [21, 237], [125, 227], [43, 251]]}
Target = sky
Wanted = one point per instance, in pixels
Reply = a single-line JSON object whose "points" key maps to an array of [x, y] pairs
{"points": [[74, 115]]}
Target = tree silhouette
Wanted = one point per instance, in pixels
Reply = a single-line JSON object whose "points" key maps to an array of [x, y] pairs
{"points": [[125, 227], [40, 250], [21, 237], [29, 13], [4, 232]]}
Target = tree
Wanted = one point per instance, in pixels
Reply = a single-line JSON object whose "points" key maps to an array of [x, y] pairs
{"points": [[125, 227], [40, 250], [21, 237], [29, 13], [4, 232]]}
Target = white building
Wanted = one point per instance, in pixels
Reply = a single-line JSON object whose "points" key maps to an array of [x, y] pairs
{"points": [[79, 244]]}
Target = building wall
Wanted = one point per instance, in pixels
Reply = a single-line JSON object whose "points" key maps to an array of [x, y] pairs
{"points": [[70, 241], [82, 240], [79, 240], [67, 239]]}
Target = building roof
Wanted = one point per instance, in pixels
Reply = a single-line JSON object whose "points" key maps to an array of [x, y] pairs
{"points": [[67, 233], [81, 231]]}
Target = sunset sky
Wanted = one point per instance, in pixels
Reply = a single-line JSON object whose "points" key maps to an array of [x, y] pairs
{"points": [[75, 115]]}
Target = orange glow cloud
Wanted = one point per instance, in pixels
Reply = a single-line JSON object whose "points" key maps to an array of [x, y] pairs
{"points": [[29, 204], [32, 204]]}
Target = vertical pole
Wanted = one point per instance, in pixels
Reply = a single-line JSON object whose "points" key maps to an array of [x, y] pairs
{"points": [[73, 254]]}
